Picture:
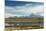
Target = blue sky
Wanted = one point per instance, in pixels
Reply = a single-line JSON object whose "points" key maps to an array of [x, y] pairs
{"points": [[28, 0], [23, 8]]}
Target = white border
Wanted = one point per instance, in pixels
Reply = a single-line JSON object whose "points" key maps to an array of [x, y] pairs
{"points": [[1, 15], [45, 14], [2, 7]]}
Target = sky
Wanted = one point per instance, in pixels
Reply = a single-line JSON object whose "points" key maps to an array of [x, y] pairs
{"points": [[23, 8], [28, 0]]}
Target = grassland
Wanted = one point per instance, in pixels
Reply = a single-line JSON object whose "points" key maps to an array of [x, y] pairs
{"points": [[35, 23]]}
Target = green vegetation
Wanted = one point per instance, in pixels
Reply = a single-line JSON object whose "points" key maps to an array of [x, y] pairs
{"points": [[35, 23]]}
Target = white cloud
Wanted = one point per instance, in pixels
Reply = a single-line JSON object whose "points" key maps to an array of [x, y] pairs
{"points": [[24, 10], [37, 9]]}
